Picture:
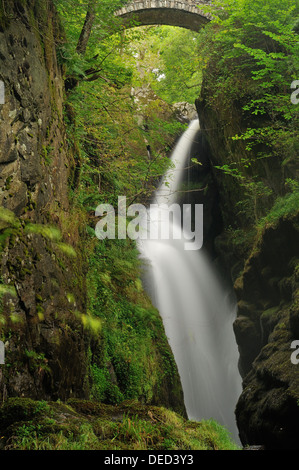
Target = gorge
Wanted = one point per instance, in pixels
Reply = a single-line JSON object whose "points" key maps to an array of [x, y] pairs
{"points": [[83, 341]]}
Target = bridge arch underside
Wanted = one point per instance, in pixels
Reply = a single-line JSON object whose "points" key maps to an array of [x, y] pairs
{"points": [[164, 16]]}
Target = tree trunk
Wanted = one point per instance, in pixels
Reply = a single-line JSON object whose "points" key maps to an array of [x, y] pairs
{"points": [[87, 28]]}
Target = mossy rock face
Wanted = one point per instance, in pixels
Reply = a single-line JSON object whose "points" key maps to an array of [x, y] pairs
{"points": [[267, 411], [249, 340], [267, 323], [85, 425], [19, 409], [45, 347], [268, 314]]}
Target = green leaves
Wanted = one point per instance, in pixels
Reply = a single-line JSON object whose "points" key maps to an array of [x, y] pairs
{"points": [[7, 290], [167, 60], [8, 219], [284, 205], [252, 54], [53, 234], [49, 232]]}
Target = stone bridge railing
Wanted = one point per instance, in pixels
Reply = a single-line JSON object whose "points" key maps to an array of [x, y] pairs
{"points": [[186, 14]]}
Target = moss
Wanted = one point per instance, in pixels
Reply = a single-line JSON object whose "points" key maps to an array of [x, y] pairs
{"points": [[4, 18], [7, 183], [270, 312], [131, 359], [20, 409], [91, 408], [85, 425]]}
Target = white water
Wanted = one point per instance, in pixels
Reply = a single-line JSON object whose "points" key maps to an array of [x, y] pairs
{"points": [[196, 310]]}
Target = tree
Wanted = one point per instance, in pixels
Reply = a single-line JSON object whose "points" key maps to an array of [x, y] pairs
{"points": [[250, 50], [87, 27], [167, 59]]}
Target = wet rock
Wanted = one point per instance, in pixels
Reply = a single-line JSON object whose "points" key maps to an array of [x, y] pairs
{"points": [[185, 112], [46, 349], [267, 411]]}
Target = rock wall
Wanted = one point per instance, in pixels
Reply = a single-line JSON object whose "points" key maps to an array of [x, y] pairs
{"points": [[45, 351], [264, 272], [266, 325], [32, 155]]}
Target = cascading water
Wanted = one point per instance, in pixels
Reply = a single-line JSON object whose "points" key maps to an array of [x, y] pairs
{"points": [[197, 311]]}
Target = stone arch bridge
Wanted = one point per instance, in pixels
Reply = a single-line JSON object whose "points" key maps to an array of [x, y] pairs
{"points": [[186, 14]]}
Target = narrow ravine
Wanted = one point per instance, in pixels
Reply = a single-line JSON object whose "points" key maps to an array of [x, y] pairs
{"points": [[196, 309]]}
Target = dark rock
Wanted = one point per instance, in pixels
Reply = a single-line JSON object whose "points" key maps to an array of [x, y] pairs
{"points": [[265, 278], [267, 411], [46, 347]]}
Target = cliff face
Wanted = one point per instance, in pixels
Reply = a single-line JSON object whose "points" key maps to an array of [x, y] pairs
{"points": [[50, 353], [32, 155], [265, 328], [45, 343], [46, 358], [263, 267]]}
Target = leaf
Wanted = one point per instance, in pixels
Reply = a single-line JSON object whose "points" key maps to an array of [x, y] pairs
{"points": [[46, 231], [67, 249], [8, 219], [90, 322], [7, 290], [197, 162]]}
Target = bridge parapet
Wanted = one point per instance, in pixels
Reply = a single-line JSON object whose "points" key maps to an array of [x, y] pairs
{"points": [[187, 13]]}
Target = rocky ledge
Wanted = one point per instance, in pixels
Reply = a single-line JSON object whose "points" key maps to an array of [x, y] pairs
{"points": [[84, 425]]}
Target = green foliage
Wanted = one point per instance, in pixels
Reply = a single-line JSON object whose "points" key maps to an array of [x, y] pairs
{"points": [[37, 361], [92, 64], [7, 290], [284, 206], [8, 219], [111, 145], [73, 13], [166, 59], [84, 425], [254, 52], [256, 193], [20, 409], [250, 51], [46, 231], [133, 347], [103, 389]]}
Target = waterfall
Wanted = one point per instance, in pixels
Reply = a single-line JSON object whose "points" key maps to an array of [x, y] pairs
{"points": [[195, 307]]}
